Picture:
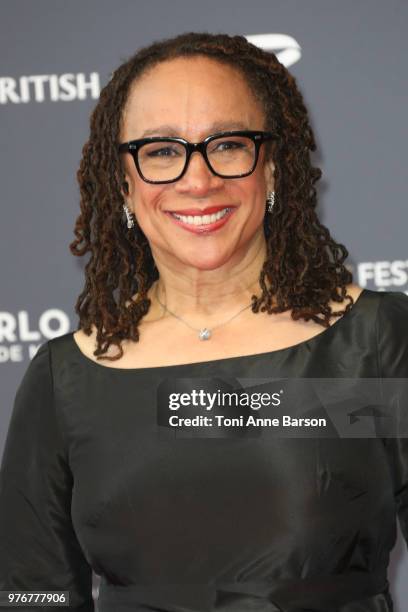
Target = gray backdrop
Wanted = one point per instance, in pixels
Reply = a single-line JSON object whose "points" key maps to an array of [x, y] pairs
{"points": [[349, 59]]}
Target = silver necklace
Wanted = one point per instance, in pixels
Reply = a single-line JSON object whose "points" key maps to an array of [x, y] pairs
{"points": [[204, 333]]}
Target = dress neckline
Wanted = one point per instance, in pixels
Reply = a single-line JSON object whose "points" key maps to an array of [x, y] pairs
{"points": [[253, 356]]}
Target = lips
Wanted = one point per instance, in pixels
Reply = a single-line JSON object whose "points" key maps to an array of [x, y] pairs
{"points": [[206, 228], [200, 211]]}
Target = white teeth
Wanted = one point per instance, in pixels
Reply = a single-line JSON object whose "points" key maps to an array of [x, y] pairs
{"points": [[202, 219]]}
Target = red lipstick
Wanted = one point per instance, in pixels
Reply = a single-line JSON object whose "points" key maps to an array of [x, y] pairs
{"points": [[206, 228], [198, 211]]}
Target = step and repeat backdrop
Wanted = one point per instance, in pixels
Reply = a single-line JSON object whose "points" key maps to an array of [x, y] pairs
{"points": [[349, 59]]}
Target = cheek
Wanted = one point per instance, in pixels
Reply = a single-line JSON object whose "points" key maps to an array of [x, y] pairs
{"points": [[254, 200], [147, 201], [254, 193]]}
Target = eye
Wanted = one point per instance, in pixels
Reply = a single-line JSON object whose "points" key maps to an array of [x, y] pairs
{"points": [[225, 146], [162, 152], [230, 144]]}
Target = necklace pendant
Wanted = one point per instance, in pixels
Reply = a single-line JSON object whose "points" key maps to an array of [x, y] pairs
{"points": [[205, 334]]}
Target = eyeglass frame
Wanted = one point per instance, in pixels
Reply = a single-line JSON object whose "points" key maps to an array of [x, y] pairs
{"points": [[258, 137]]}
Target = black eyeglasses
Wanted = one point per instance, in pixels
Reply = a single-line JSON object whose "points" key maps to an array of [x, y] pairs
{"points": [[161, 159]]}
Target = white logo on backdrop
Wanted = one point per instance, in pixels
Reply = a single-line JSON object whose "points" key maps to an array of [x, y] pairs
{"points": [[286, 48], [79, 86], [49, 88], [382, 275], [21, 335]]}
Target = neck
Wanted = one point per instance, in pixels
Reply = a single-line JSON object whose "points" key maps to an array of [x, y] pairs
{"points": [[206, 295]]}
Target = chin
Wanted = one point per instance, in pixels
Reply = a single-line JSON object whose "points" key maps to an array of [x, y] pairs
{"points": [[208, 263]]}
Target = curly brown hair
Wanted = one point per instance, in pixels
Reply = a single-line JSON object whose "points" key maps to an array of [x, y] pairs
{"points": [[304, 266]]}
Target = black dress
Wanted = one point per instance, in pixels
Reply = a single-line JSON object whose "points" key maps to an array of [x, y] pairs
{"points": [[194, 525]]}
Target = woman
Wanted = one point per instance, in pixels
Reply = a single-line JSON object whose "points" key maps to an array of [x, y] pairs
{"points": [[173, 292]]}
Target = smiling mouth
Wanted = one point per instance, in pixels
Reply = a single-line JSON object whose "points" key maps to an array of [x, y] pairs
{"points": [[201, 219]]}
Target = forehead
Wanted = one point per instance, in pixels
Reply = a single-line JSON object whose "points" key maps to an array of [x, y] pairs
{"points": [[190, 94]]}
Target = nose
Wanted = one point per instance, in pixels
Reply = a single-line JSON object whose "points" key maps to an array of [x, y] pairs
{"points": [[198, 176]]}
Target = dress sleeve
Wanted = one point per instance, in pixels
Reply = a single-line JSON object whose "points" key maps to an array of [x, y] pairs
{"points": [[392, 342], [38, 545]]}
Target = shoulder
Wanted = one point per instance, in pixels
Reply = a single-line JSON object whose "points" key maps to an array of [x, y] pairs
{"points": [[86, 343], [392, 313], [33, 399], [386, 311], [353, 291], [393, 302], [38, 370], [392, 333], [63, 352], [384, 306]]}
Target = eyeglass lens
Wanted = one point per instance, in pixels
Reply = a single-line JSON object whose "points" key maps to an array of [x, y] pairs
{"points": [[228, 155]]}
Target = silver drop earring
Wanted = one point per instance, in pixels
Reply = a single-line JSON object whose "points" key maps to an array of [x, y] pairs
{"points": [[130, 222], [270, 200]]}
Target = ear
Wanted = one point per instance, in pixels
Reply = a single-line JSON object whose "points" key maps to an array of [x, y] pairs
{"points": [[125, 188], [127, 180], [269, 169]]}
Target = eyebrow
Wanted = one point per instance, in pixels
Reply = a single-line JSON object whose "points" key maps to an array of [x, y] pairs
{"points": [[218, 126]]}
